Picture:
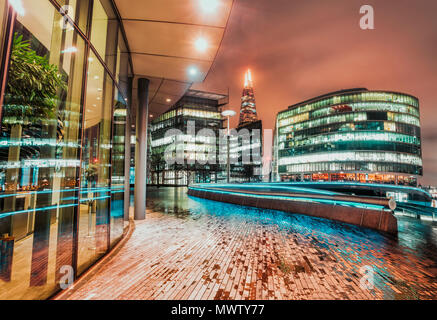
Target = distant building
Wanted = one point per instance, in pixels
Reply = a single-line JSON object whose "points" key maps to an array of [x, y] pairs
{"points": [[248, 104], [198, 110], [246, 151], [351, 135], [246, 148]]}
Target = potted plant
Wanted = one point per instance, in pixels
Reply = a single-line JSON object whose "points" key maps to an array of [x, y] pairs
{"points": [[32, 87], [30, 96]]}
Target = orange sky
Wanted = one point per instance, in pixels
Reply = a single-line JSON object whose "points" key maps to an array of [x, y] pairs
{"points": [[301, 49]]}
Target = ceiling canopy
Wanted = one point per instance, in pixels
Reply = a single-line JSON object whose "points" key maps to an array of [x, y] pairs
{"points": [[173, 43]]}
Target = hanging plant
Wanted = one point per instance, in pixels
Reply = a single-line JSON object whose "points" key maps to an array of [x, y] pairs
{"points": [[32, 88]]}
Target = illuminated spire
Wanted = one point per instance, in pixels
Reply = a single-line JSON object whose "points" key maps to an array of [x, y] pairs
{"points": [[248, 83], [248, 105]]}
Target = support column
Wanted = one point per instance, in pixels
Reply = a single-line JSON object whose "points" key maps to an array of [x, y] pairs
{"points": [[141, 149], [228, 164], [127, 151]]}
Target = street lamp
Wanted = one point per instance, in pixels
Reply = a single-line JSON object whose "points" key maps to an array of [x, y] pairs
{"points": [[228, 114]]}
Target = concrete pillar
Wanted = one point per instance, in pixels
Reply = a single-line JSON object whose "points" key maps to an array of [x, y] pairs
{"points": [[141, 149], [127, 151]]}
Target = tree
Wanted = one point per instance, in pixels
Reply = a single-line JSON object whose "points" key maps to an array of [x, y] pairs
{"points": [[156, 162], [248, 172], [30, 99]]}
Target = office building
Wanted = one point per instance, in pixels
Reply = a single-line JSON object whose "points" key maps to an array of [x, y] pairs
{"points": [[350, 135], [192, 127], [246, 144]]}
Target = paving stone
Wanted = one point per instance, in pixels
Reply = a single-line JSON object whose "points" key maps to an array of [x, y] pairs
{"points": [[221, 257]]}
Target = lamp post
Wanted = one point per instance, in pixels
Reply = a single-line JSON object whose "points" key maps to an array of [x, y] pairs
{"points": [[228, 114]]}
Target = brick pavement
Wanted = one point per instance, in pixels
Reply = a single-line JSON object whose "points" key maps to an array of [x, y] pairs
{"points": [[256, 256]]}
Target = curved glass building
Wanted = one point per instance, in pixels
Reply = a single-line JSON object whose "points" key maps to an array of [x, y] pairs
{"points": [[350, 135]]}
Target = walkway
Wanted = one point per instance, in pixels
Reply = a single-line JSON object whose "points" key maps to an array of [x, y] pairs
{"points": [[218, 256]]}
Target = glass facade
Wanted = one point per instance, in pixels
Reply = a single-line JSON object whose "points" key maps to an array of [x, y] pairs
{"points": [[62, 143], [196, 120], [246, 152], [351, 135]]}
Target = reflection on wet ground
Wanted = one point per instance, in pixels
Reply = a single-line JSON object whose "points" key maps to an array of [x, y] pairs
{"points": [[189, 248], [404, 267]]}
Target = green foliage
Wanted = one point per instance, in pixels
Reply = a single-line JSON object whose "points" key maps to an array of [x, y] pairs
{"points": [[284, 267], [92, 172], [157, 160], [33, 84]]}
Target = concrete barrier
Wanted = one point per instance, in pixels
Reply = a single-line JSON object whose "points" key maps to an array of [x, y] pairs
{"points": [[377, 219]]}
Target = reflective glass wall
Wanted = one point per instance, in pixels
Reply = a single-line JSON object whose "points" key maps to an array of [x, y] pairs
{"points": [[350, 135], [63, 119]]}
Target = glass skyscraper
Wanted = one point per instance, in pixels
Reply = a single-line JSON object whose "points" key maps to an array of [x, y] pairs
{"points": [[248, 104], [246, 144], [350, 135]]}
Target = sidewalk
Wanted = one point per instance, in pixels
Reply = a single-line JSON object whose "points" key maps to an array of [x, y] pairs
{"points": [[210, 257]]}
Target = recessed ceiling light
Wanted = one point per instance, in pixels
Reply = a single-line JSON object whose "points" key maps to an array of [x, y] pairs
{"points": [[201, 44], [96, 77], [208, 6], [168, 100], [192, 71]]}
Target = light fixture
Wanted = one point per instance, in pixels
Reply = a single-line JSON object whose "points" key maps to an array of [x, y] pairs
{"points": [[201, 45], [96, 77], [70, 50], [90, 59], [228, 113], [18, 7], [192, 71], [168, 100], [208, 6]]}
